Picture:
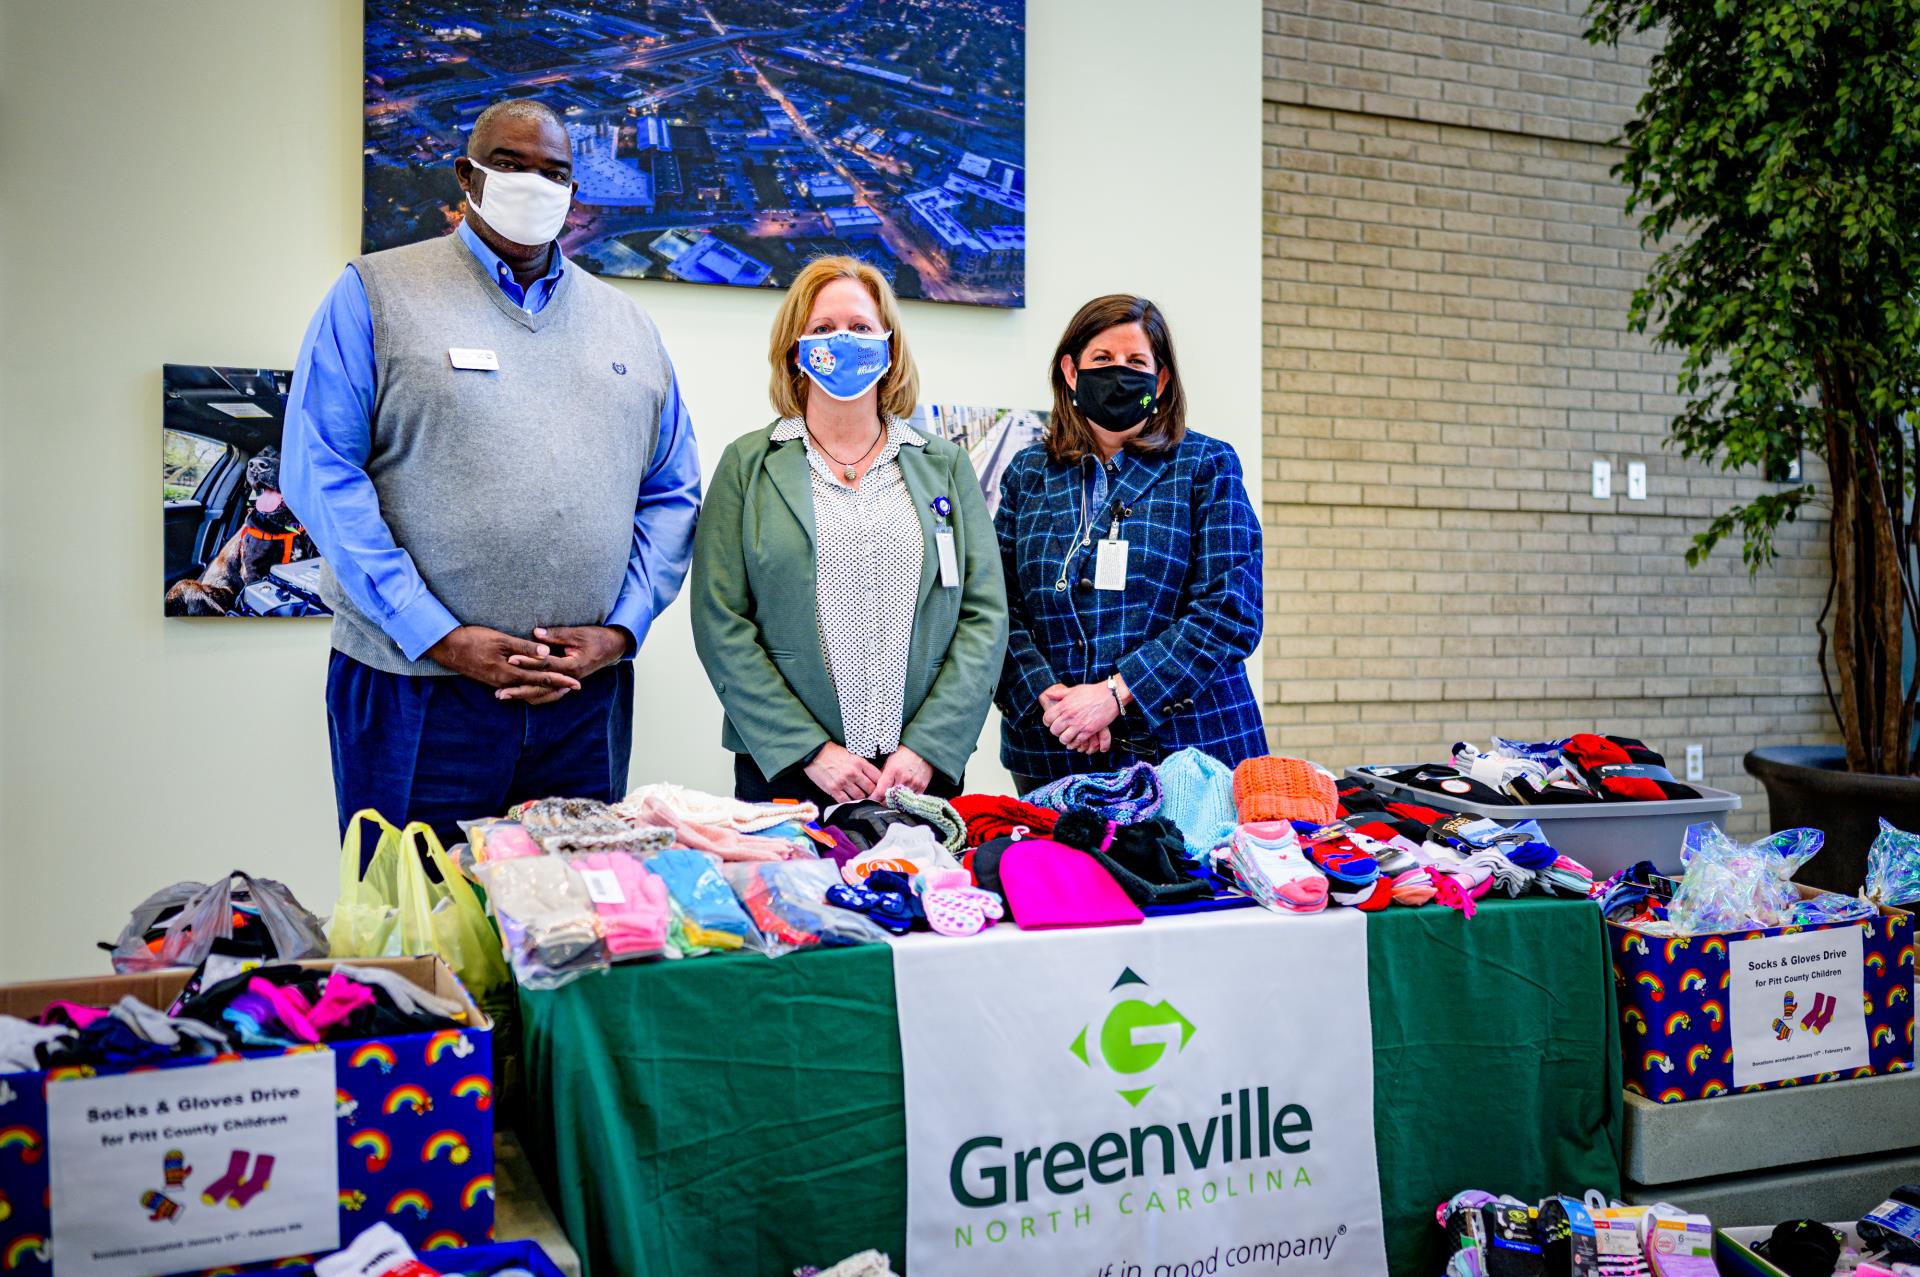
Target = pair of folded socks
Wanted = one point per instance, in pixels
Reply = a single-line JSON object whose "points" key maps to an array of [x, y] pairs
{"points": [[1270, 865]]}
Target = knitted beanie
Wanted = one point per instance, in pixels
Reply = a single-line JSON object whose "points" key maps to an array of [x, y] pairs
{"points": [[1196, 795], [1145, 858], [990, 816], [1272, 788], [934, 811]]}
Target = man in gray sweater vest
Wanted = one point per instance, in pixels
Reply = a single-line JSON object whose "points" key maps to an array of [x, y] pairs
{"points": [[488, 446]]}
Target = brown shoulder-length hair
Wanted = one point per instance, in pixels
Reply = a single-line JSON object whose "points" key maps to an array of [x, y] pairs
{"points": [[899, 385], [1069, 434]]}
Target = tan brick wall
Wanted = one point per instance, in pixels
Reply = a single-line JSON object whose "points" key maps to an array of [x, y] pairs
{"points": [[1446, 354]]}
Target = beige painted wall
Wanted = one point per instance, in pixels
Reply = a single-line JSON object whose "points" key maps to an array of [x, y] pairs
{"points": [[180, 182]]}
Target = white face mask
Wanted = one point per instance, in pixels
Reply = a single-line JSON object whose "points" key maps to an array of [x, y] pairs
{"points": [[524, 207]]}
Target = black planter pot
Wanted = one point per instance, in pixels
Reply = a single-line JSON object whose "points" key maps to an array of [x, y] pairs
{"points": [[1808, 785]]}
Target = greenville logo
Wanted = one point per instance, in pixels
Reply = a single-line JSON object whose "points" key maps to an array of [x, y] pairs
{"points": [[1130, 1044]]}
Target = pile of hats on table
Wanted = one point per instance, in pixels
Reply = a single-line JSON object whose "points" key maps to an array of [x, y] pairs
{"points": [[1583, 768]]}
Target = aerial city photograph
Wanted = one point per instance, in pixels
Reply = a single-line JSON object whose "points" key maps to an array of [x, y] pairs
{"points": [[727, 141]]}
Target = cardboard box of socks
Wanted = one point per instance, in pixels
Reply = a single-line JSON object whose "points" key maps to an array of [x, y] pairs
{"points": [[1757, 1008], [129, 1155]]}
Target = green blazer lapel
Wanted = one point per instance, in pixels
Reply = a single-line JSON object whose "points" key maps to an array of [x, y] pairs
{"points": [[787, 466], [925, 482]]}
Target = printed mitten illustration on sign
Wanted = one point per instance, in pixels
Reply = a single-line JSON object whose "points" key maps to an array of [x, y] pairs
{"points": [[174, 1167], [158, 1205]]}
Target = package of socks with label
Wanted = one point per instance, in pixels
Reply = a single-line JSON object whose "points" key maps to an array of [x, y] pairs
{"points": [[566, 825], [1269, 864], [546, 917]]}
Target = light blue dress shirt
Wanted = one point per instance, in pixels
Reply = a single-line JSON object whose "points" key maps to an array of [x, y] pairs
{"points": [[329, 435]]}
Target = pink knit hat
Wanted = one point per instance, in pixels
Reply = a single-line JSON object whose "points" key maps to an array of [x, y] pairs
{"points": [[1049, 884]]}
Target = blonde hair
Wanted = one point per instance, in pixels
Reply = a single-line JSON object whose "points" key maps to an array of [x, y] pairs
{"points": [[899, 387]]}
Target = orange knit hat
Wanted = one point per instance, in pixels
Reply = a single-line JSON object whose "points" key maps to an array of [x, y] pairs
{"points": [[1273, 788]]}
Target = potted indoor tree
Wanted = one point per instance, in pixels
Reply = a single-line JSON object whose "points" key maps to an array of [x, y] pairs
{"points": [[1775, 163]]}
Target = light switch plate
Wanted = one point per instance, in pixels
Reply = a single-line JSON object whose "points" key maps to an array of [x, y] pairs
{"points": [[1636, 481], [1696, 762], [1602, 480]]}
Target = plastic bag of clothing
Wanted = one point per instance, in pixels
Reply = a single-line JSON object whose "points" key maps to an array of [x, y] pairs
{"points": [[787, 901], [1729, 885], [1893, 867], [204, 913], [411, 900]]}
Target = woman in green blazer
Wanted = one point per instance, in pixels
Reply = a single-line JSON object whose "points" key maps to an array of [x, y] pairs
{"points": [[847, 597]]}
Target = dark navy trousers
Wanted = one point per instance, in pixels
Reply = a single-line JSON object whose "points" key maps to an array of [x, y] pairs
{"points": [[442, 749]]}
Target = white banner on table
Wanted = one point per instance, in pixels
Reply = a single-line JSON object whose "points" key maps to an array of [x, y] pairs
{"points": [[1794, 1005], [137, 1156], [1190, 1096]]}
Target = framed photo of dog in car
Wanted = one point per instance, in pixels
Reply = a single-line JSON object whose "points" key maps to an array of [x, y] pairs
{"points": [[232, 545]]}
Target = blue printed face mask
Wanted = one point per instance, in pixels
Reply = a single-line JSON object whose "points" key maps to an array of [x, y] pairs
{"points": [[845, 365]]}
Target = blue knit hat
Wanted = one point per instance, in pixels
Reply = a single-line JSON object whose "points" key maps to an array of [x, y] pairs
{"points": [[1197, 796]]}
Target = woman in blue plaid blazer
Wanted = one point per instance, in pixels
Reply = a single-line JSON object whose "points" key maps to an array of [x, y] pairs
{"points": [[1117, 655]]}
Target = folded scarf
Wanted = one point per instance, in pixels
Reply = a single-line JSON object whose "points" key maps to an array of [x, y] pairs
{"points": [[564, 826], [1126, 796], [711, 809], [724, 841]]}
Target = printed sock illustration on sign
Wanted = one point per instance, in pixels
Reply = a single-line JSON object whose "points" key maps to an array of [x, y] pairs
{"points": [[174, 1167], [255, 1184], [222, 1188], [1821, 1014], [158, 1205]]}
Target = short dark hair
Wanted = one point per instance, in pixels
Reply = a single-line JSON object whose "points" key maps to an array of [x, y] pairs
{"points": [[1069, 435], [513, 109]]}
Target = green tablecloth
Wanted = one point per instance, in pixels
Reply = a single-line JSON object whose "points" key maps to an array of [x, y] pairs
{"points": [[739, 1115]]}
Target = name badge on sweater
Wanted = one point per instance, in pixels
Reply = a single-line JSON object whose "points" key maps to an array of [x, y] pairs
{"points": [[1110, 565], [949, 559], [473, 358]]}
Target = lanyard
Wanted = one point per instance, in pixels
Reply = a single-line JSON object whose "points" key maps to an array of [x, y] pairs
{"points": [[1082, 527]]}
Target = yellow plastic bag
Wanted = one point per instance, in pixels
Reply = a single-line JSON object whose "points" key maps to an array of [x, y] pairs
{"points": [[367, 913], [414, 900]]}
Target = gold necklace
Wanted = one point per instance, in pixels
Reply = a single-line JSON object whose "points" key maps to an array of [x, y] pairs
{"points": [[846, 470]]}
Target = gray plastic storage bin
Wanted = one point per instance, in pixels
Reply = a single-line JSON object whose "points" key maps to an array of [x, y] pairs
{"points": [[1605, 837]]}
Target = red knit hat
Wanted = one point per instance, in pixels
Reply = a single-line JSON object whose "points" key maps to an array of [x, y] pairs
{"points": [[990, 816]]}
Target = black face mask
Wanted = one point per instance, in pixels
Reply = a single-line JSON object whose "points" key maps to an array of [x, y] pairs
{"points": [[1114, 396]]}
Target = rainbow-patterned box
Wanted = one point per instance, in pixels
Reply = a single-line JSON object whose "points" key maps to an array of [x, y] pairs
{"points": [[414, 1113], [1675, 1042]]}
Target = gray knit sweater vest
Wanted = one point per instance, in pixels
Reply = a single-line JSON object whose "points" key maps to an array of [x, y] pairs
{"points": [[513, 491]]}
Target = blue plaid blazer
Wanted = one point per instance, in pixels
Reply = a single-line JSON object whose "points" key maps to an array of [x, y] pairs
{"points": [[1178, 633]]}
